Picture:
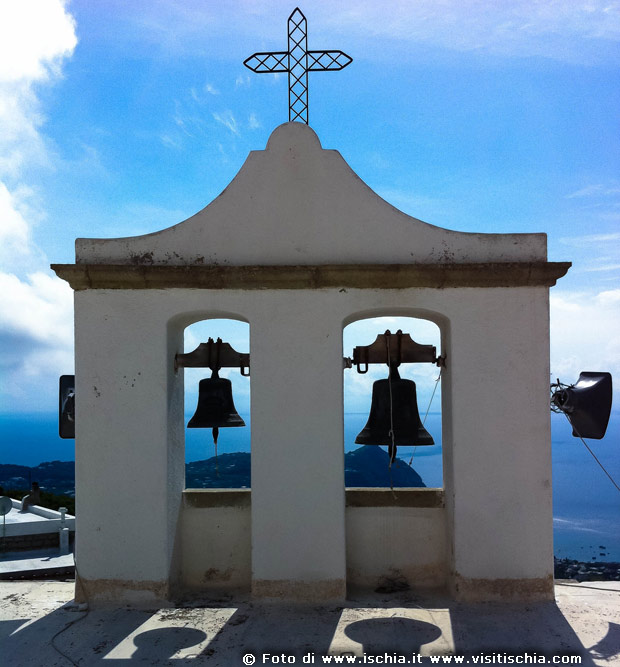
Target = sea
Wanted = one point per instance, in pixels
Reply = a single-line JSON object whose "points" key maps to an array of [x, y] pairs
{"points": [[586, 503]]}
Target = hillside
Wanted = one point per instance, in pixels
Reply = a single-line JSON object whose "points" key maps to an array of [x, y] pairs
{"points": [[52, 476], [366, 466]]}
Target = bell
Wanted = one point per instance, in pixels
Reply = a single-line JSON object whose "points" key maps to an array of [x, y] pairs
{"points": [[215, 406], [404, 419], [587, 404]]}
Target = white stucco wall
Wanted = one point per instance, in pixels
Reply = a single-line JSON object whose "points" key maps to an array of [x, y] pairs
{"points": [[394, 543], [215, 548], [129, 453], [501, 438], [381, 542]]}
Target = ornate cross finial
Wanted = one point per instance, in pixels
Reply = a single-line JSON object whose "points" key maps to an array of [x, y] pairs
{"points": [[297, 61]]}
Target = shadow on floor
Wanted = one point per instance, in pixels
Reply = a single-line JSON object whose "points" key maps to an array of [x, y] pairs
{"points": [[221, 634]]}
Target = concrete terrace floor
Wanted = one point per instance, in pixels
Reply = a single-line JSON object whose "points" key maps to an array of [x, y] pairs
{"points": [[38, 619]]}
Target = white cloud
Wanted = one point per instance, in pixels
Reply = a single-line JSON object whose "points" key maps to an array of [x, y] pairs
{"points": [[603, 267], [599, 252], [168, 141], [578, 241], [14, 230], [36, 339], [35, 37], [585, 333], [39, 309], [520, 28], [228, 120], [36, 313], [609, 298], [253, 122], [574, 31], [595, 190], [211, 89], [182, 123]]}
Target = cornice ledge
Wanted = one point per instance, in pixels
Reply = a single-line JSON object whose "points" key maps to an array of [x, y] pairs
{"points": [[326, 276]]}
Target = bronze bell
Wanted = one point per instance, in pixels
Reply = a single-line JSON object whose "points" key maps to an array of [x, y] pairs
{"points": [[216, 408], [405, 418]]}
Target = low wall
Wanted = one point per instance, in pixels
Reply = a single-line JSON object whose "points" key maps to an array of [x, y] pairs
{"points": [[35, 541], [394, 538], [215, 540], [36, 528]]}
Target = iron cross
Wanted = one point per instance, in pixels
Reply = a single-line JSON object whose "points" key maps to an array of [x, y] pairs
{"points": [[297, 61]]}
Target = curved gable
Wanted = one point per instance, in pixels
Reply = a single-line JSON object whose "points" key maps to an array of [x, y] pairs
{"points": [[295, 203]]}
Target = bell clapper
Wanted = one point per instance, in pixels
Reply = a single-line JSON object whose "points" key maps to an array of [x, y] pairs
{"points": [[216, 432], [393, 368]]}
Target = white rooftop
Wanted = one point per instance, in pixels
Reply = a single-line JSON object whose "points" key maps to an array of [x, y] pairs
{"points": [[34, 514]]}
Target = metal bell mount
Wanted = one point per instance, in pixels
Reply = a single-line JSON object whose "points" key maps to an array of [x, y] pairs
{"points": [[216, 408]]}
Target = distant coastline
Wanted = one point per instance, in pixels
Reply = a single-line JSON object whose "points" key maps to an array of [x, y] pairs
{"points": [[586, 506], [566, 568], [364, 467]]}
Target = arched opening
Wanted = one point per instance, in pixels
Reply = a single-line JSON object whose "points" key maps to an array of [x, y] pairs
{"points": [[369, 465], [227, 463]]}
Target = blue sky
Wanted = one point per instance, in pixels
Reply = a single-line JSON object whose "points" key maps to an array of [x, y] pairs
{"points": [[120, 118]]}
